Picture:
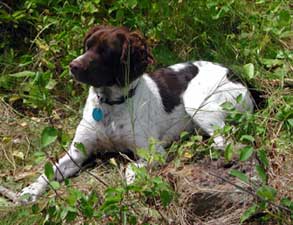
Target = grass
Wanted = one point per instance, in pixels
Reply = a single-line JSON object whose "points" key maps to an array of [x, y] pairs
{"points": [[39, 39]]}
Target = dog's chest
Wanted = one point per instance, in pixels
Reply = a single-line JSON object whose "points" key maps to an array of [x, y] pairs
{"points": [[114, 131], [131, 124]]}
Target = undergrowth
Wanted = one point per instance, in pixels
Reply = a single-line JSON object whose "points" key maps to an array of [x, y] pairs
{"points": [[40, 103]]}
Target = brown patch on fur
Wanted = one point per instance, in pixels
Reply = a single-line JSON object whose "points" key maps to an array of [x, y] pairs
{"points": [[172, 84]]}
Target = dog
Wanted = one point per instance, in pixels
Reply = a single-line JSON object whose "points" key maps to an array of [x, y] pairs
{"points": [[126, 107]]}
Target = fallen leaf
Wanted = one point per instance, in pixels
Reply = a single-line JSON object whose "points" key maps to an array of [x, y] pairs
{"points": [[18, 154], [23, 124]]}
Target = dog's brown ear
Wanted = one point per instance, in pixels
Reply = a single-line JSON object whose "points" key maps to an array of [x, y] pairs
{"points": [[93, 30], [140, 48], [124, 40]]}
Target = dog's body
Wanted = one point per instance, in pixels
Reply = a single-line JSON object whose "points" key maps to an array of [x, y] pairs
{"points": [[124, 113]]}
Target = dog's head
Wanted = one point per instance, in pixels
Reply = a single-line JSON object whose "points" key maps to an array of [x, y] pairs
{"points": [[113, 56]]}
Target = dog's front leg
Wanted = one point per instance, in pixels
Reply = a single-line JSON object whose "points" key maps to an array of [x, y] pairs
{"points": [[68, 165]]}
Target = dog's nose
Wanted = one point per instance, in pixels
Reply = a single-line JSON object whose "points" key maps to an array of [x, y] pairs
{"points": [[75, 67]]}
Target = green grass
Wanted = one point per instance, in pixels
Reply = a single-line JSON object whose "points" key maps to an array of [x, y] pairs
{"points": [[39, 38]]}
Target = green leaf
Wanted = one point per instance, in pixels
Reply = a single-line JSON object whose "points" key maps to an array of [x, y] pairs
{"points": [[49, 171], [73, 196], [239, 98], [51, 84], [49, 135], [245, 153], [267, 193], [228, 106], [239, 175], [86, 209], [71, 214], [286, 34], [246, 137], [261, 173], [166, 197], [35, 208], [261, 154], [55, 185], [23, 74], [228, 154], [80, 147], [184, 136], [284, 17], [287, 202], [290, 122], [248, 70], [248, 213]]}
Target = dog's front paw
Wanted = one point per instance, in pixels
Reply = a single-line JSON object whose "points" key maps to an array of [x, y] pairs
{"points": [[130, 171], [32, 192], [28, 195], [219, 143]]}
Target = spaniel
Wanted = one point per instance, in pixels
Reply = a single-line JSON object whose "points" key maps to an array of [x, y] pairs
{"points": [[126, 107]]}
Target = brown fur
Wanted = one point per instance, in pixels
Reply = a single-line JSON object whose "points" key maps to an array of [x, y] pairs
{"points": [[113, 56]]}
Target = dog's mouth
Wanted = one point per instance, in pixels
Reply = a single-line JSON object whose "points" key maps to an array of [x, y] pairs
{"points": [[74, 76]]}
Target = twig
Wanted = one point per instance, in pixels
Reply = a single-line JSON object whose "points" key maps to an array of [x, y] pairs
{"points": [[56, 193], [251, 193], [93, 175], [8, 194]]}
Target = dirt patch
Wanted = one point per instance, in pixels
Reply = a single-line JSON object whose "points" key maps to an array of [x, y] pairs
{"points": [[205, 195]]}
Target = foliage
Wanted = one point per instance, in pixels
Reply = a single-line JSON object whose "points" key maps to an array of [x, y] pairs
{"points": [[39, 38], [118, 205]]}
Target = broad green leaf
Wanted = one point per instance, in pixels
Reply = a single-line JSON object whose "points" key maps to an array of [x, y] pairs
{"points": [[266, 193], [80, 147], [261, 173], [248, 213], [248, 70], [49, 135], [228, 152], [49, 171], [246, 137], [245, 153], [239, 174], [55, 185]]}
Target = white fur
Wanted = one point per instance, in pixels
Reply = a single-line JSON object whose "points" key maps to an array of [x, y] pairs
{"points": [[130, 125]]}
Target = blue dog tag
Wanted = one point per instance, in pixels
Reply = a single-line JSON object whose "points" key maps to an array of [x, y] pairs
{"points": [[98, 114]]}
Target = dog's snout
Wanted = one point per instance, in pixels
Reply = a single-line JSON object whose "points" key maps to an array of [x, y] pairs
{"points": [[75, 67]]}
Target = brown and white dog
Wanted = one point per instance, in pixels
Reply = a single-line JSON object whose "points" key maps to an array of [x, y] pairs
{"points": [[126, 106]]}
